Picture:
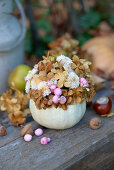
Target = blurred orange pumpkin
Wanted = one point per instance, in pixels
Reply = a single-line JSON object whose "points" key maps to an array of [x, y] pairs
{"points": [[100, 50]]}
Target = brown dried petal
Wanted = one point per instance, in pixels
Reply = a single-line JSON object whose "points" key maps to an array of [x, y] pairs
{"points": [[53, 70], [50, 102], [56, 76], [48, 67], [65, 73], [41, 66], [64, 106], [79, 89], [73, 65], [17, 119], [42, 73], [60, 84], [66, 84], [50, 75], [14, 100], [77, 71], [81, 67], [69, 100], [70, 92], [26, 112], [75, 58], [64, 92]]}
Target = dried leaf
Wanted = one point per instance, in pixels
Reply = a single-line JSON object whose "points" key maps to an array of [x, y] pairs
{"points": [[110, 114], [41, 66], [26, 112]]}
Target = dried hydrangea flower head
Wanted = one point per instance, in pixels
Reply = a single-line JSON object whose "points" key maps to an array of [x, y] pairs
{"points": [[15, 103], [59, 81]]}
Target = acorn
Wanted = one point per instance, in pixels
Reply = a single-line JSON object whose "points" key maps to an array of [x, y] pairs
{"points": [[27, 129]]}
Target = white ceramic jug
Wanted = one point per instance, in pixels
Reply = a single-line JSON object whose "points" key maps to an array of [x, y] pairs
{"points": [[12, 35]]}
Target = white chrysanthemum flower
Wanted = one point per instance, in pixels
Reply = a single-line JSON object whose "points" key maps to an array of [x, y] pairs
{"points": [[65, 61], [27, 87], [35, 81], [34, 86], [30, 74], [45, 89], [73, 80]]}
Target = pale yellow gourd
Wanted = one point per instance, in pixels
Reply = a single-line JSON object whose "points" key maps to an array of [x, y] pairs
{"points": [[58, 118]]}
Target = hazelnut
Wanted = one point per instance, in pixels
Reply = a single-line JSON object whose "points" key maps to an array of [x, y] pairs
{"points": [[95, 123], [2, 130], [102, 105], [27, 129]]}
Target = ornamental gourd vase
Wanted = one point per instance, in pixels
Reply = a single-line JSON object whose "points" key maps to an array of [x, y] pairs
{"points": [[58, 118]]}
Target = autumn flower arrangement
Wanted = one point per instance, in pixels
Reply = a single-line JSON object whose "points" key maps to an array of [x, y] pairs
{"points": [[59, 81]]}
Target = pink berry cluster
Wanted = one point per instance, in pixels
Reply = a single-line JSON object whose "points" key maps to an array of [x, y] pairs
{"points": [[38, 132], [57, 98], [83, 82], [52, 84]]}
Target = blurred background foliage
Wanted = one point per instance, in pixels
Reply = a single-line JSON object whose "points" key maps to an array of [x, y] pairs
{"points": [[49, 19]]}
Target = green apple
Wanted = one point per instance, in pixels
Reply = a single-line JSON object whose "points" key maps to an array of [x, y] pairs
{"points": [[17, 76]]}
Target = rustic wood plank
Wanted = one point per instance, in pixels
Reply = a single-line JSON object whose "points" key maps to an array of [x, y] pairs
{"points": [[75, 142], [101, 159]]}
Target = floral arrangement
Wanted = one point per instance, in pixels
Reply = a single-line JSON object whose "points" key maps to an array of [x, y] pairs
{"points": [[59, 81]]}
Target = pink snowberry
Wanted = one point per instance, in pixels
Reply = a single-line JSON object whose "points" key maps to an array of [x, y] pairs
{"points": [[48, 139], [83, 82], [53, 87], [62, 99], [38, 132], [28, 137], [45, 140], [55, 99], [58, 91]]}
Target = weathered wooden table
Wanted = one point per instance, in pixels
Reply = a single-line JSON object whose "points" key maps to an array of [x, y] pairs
{"points": [[77, 148]]}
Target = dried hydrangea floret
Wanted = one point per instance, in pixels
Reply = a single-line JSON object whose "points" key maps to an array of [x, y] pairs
{"points": [[15, 103], [61, 78], [63, 59], [35, 81], [73, 80], [45, 89]]}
